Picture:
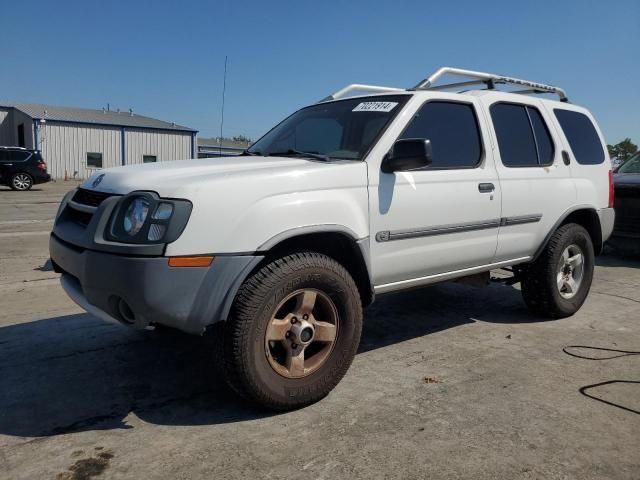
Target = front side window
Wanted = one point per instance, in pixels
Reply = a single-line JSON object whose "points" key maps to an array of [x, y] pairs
{"points": [[523, 136], [453, 131], [94, 160], [582, 136], [344, 129]]}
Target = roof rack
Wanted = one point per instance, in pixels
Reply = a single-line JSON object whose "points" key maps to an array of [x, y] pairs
{"points": [[488, 79], [358, 87], [477, 78]]}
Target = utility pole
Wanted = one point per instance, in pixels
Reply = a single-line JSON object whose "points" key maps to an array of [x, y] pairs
{"points": [[224, 88]]}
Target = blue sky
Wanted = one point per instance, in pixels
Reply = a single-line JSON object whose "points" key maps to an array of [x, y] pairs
{"points": [[165, 58]]}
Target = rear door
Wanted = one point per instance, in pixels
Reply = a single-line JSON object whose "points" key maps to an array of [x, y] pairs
{"points": [[537, 184], [444, 217]]}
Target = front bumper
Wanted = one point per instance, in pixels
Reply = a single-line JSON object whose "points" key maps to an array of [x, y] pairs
{"points": [[188, 298]]}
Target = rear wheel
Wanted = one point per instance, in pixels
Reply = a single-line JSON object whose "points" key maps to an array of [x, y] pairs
{"points": [[557, 283], [21, 182], [293, 331]]}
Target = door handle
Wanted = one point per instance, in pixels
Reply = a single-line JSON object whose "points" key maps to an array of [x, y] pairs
{"points": [[486, 187]]}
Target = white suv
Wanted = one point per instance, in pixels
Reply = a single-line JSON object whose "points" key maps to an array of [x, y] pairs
{"points": [[278, 250]]}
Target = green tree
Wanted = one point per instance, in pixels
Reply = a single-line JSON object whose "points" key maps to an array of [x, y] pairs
{"points": [[241, 138], [623, 150]]}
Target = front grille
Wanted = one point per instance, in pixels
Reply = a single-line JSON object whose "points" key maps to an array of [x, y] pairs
{"points": [[81, 218], [90, 197]]}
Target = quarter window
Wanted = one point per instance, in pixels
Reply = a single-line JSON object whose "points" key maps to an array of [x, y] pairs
{"points": [[453, 131], [582, 136], [523, 137], [94, 160]]}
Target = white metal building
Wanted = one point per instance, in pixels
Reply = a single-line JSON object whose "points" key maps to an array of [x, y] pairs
{"points": [[217, 147], [76, 141]]}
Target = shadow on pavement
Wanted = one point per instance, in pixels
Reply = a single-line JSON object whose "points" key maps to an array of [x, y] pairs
{"points": [[76, 373], [616, 258]]}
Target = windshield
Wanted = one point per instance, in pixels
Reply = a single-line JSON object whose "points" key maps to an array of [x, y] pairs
{"points": [[343, 129], [631, 166]]}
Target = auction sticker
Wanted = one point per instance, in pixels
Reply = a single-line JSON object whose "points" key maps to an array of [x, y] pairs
{"points": [[375, 107]]}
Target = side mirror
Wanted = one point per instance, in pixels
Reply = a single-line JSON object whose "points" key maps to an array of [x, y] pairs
{"points": [[408, 154]]}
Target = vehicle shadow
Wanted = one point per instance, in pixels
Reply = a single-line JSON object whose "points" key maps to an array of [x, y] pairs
{"points": [[77, 373], [9, 189], [614, 258]]}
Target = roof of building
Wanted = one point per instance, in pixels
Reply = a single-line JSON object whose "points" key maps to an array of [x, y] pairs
{"points": [[87, 115], [224, 143]]}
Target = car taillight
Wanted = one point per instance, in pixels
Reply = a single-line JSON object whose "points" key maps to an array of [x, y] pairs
{"points": [[42, 166], [612, 189]]}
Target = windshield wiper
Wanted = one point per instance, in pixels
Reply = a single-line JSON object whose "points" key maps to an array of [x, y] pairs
{"points": [[247, 152], [299, 153]]}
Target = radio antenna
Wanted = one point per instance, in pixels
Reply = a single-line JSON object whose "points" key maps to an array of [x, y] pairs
{"points": [[224, 89]]}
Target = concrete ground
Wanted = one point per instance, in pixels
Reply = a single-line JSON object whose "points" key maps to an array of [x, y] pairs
{"points": [[450, 382]]}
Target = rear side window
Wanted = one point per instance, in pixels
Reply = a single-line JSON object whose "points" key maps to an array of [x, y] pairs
{"points": [[542, 136], [18, 156], [8, 156], [582, 136], [523, 136], [453, 131]]}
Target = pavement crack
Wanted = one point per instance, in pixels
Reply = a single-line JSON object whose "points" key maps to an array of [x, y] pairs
{"points": [[75, 354], [617, 296]]}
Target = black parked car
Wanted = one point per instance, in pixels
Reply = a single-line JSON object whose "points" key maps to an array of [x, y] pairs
{"points": [[21, 169], [626, 232]]}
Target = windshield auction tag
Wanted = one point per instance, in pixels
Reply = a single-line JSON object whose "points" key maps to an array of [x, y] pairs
{"points": [[375, 107]]}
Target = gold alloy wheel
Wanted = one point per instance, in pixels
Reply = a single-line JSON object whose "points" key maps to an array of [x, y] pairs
{"points": [[301, 333]]}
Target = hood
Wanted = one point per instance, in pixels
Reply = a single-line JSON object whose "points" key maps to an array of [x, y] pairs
{"points": [[171, 178]]}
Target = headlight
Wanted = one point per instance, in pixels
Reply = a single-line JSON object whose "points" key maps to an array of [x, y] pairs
{"points": [[145, 218], [135, 216]]}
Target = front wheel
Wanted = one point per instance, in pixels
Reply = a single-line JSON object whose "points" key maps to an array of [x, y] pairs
{"points": [[293, 331], [557, 283]]}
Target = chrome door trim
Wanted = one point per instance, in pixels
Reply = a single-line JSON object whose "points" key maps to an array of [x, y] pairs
{"points": [[388, 235]]}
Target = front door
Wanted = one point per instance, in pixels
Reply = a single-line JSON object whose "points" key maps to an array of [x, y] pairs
{"points": [[442, 218]]}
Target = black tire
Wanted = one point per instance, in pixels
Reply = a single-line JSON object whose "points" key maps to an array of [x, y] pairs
{"points": [[247, 369], [21, 182], [539, 280]]}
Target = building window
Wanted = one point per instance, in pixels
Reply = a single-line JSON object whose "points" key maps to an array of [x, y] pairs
{"points": [[149, 159], [94, 160], [21, 135]]}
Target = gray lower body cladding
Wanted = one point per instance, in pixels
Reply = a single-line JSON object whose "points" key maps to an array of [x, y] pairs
{"points": [[187, 298]]}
